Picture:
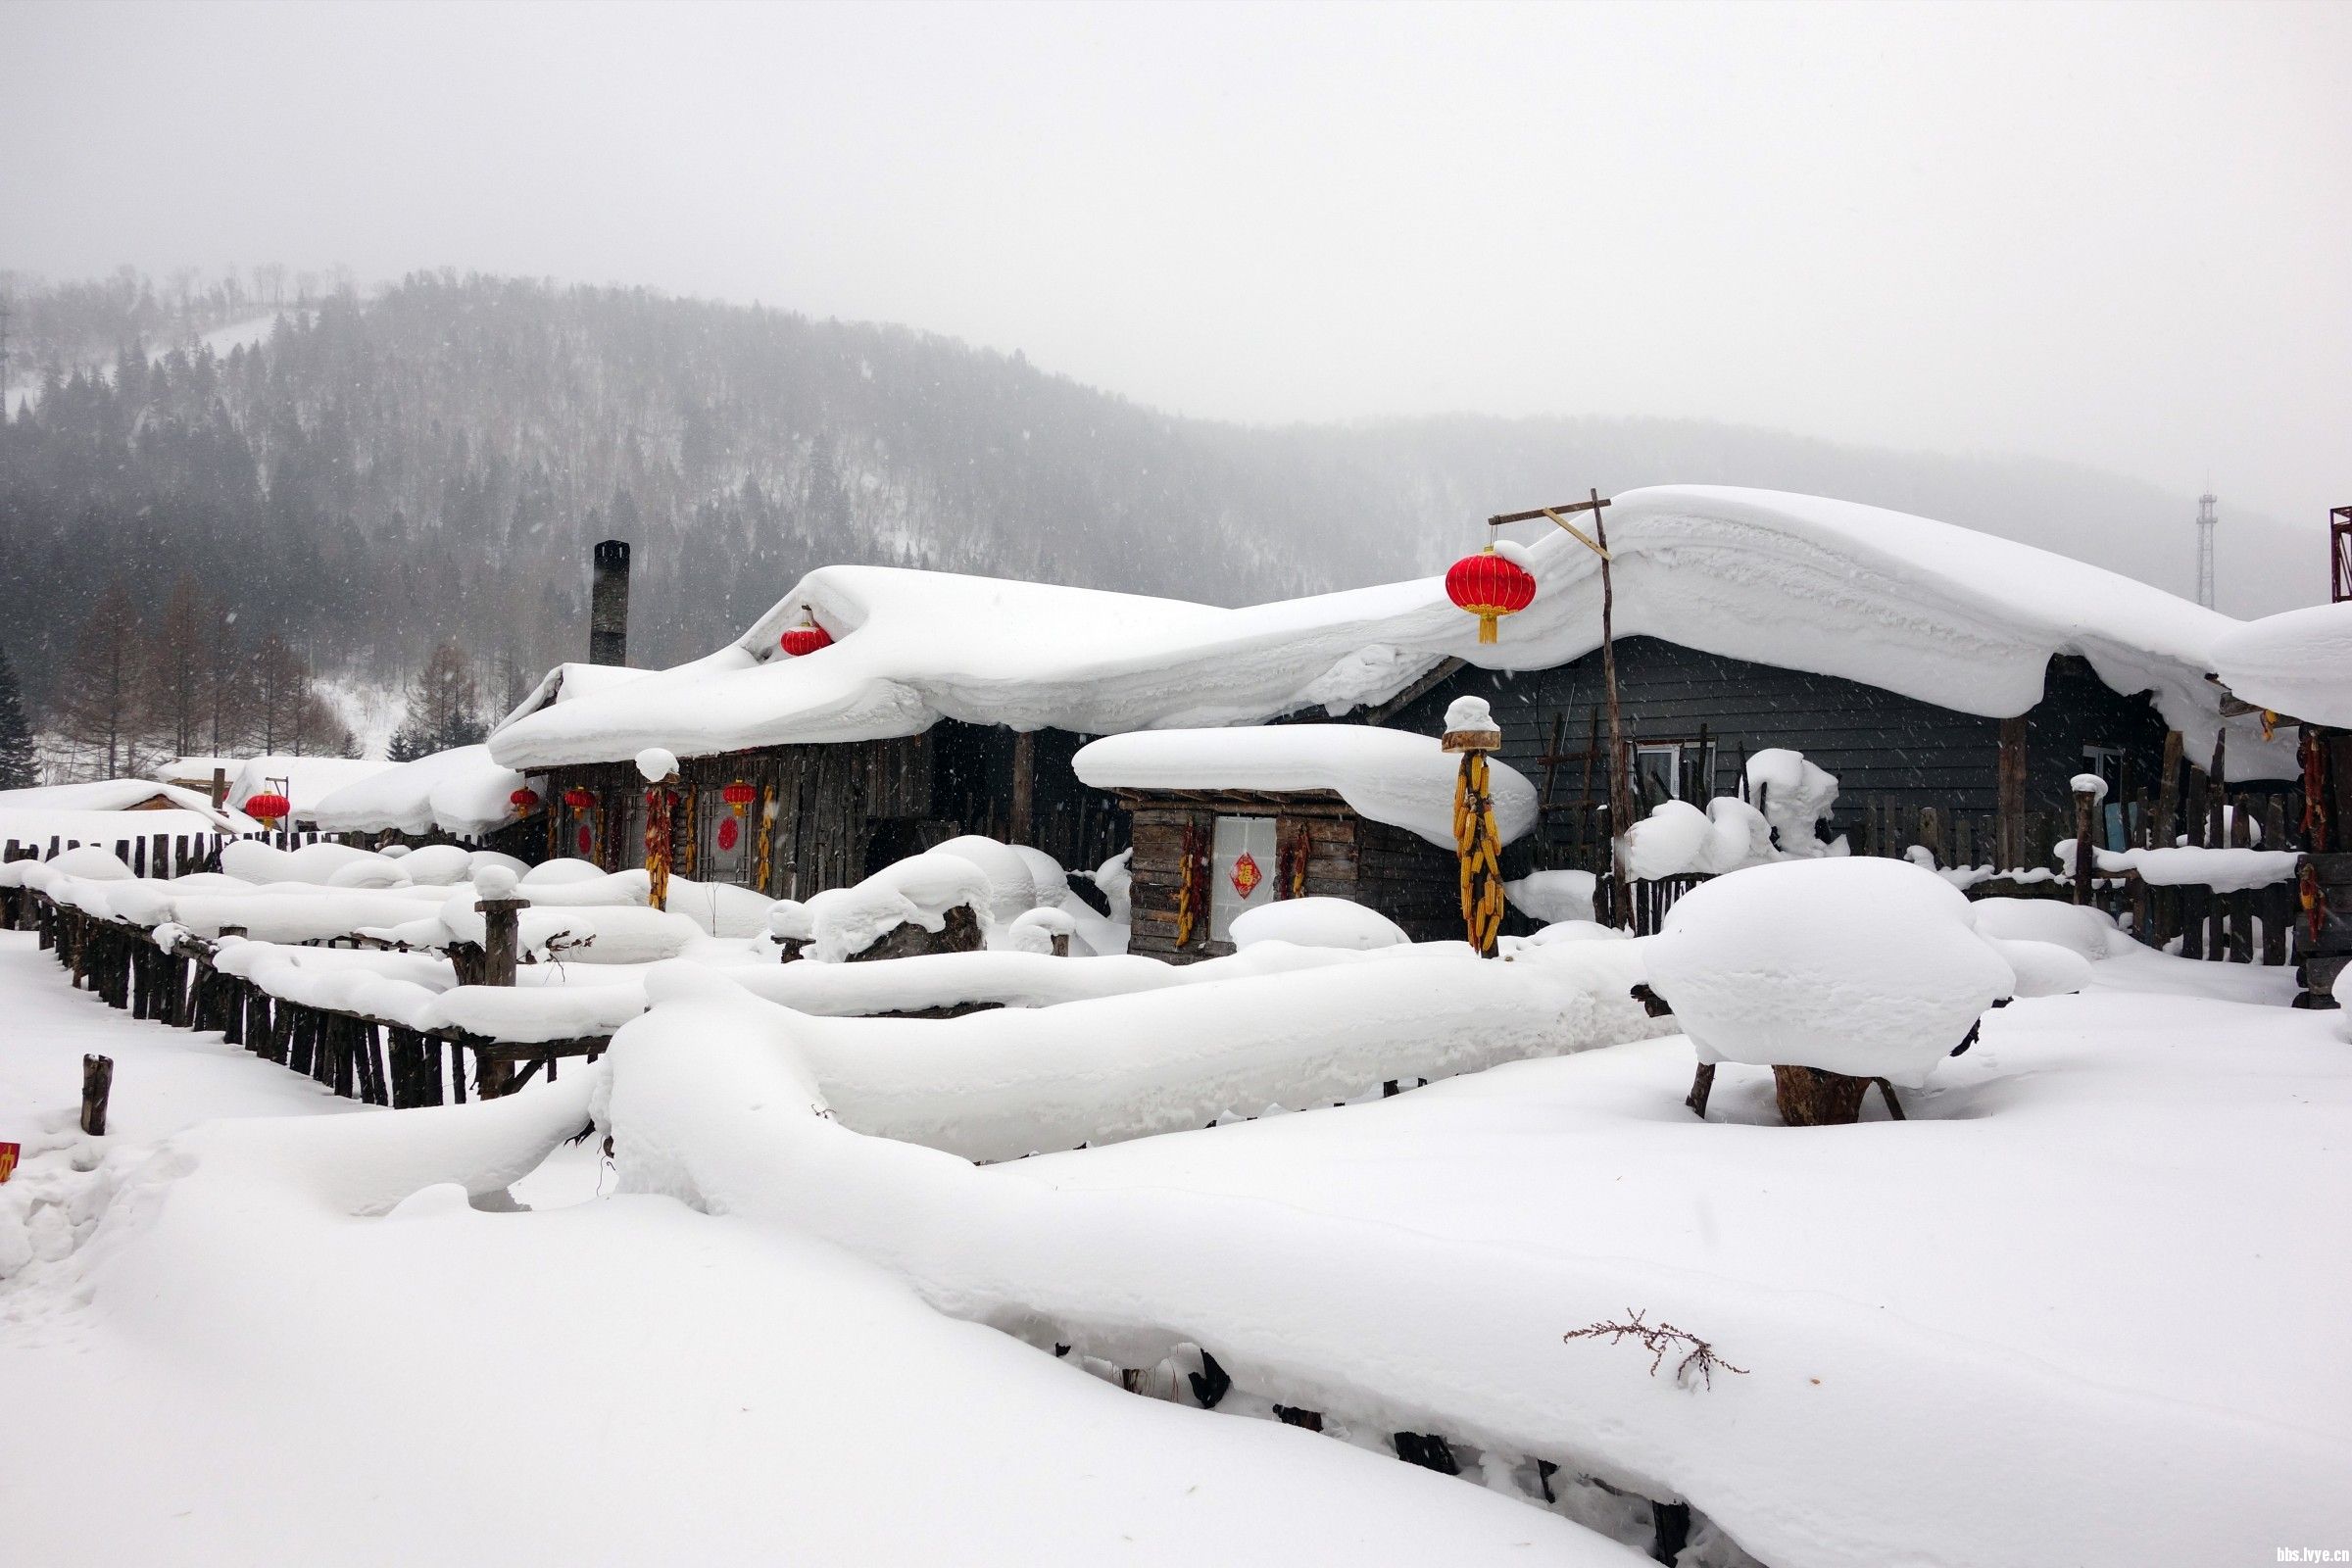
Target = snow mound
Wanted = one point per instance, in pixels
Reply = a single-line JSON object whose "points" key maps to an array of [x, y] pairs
{"points": [[2089, 933], [1677, 839], [1795, 794], [1552, 896], [2042, 968], [1866, 967], [1318, 922], [1012, 886], [918, 890], [2298, 663], [1385, 775]]}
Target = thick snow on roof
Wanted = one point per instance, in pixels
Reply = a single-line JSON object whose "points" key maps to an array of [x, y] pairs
{"points": [[1933, 611], [308, 779], [567, 683], [2298, 663], [459, 791], [124, 795], [1390, 777]]}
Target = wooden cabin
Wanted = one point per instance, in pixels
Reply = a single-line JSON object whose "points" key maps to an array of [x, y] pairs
{"points": [[1227, 822], [1242, 848], [1976, 791]]}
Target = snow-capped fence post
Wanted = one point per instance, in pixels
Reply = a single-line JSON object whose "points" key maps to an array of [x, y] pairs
{"points": [[1471, 734], [2089, 790], [501, 928]]}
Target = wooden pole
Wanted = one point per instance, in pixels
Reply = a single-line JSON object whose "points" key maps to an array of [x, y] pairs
{"points": [[1022, 829], [1620, 787], [97, 1085], [2086, 808]]}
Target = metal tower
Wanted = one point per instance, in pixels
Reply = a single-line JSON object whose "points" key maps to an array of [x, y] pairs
{"points": [[2339, 553], [2205, 524]]}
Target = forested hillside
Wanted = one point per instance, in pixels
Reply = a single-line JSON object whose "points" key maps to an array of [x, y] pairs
{"points": [[379, 474]]}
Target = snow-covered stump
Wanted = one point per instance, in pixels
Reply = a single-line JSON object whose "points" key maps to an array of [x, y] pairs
{"points": [[1835, 973], [1809, 1096]]}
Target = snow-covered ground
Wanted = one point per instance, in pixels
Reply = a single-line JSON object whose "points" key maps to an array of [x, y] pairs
{"points": [[2083, 1306]]}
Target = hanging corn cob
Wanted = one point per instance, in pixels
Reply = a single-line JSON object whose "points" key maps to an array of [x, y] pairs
{"points": [[1470, 730]]}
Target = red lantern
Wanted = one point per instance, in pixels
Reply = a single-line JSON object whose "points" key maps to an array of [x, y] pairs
{"points": [[738, 796], [1489, 586], [267, 808], [803, 640], [578, 798], [526, 801]]}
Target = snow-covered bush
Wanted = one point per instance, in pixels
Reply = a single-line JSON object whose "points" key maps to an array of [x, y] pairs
{"points": [[1318, 922], [1677, 839], [1793, 795], [1859, 968]]}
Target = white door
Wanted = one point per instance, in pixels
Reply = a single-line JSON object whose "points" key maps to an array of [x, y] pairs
{"points": [[1241, 866]]}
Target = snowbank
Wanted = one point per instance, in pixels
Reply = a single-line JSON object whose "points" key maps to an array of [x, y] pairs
{"points": [[1857, 1434], [1001, 1084], [1318, 922], [1865, 967]]}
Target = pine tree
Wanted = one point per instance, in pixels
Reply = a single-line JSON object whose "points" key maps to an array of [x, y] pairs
{"points": [[18, 767]]}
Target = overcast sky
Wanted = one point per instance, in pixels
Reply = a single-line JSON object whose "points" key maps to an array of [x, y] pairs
{"points": [[2118, 235]]}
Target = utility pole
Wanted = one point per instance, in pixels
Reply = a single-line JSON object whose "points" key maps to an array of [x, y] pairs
{"points": [[2205, 527]]}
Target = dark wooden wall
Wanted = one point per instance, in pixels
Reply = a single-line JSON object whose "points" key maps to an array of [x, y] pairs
{"points": [[843, 811], [1878, 744]]}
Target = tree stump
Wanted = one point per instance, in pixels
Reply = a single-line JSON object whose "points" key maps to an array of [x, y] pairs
{"points": [[958, 932], [1811, 1097]]}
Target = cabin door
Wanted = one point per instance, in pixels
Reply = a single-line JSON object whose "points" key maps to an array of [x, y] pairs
{"points": [[1243, 865]]}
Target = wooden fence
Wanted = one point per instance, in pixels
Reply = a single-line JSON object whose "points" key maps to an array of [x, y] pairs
{"points": [[163, 855], [376, 1061]]}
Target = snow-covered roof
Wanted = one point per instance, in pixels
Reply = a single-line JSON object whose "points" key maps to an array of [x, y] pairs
{"points": [[2298, 663], [199, 769], [1392, 777], [460, 790], [126, 795], [1933, 611], [308, 780], [569, 683]]}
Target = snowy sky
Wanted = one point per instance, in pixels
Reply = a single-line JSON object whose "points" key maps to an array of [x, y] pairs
{"points": [[2117, 235]]}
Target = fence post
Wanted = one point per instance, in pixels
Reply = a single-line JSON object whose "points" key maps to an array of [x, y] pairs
{"points": [[97, 1085], [2086, 807]]}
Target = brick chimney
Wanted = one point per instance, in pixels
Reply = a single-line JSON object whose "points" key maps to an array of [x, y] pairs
{"points": [[608, 604]]}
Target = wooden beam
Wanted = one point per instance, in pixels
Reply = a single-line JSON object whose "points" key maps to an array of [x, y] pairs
{"points": [[1593, 504]]}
